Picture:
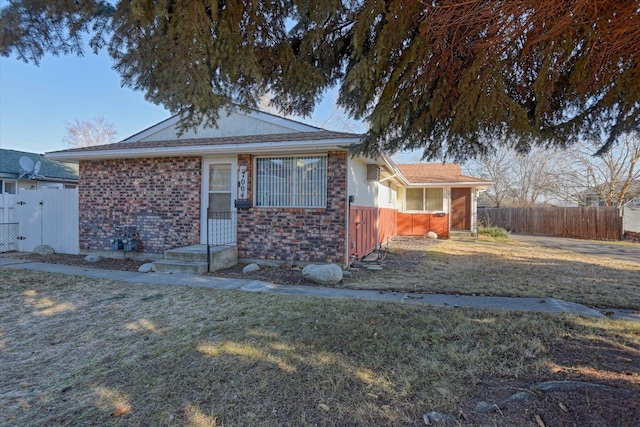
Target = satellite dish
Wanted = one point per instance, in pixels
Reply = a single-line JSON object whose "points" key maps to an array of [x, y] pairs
{"points": [[26, 164], [27, 167]]}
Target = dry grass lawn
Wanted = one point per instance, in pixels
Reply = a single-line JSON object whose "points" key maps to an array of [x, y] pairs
{"points": [[77, 351], [505, 267]]}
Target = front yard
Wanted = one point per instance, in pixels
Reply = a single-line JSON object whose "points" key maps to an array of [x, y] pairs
{"points": [[76, 351], [504, 267]]}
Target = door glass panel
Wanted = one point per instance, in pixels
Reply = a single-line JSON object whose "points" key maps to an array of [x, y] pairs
{"points": [[219, 202], [220, 177]]}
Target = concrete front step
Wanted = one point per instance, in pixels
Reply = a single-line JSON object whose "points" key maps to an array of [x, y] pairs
{"points": [[175, 266], [197, 253], [190, 259], [462, 235]]}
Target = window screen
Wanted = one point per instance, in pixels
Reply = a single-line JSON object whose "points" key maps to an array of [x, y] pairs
{"points": [[295, 181]]}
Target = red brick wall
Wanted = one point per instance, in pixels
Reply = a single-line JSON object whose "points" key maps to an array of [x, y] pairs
{"points": [[161, 196], [305, 235]]}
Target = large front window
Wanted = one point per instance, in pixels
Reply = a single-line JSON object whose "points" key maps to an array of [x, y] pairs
{"points": [[424, 199], [292, 181]]}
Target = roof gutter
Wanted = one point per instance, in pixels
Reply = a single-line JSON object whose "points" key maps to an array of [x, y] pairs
{"points": [[396, 173], [451, 184]]}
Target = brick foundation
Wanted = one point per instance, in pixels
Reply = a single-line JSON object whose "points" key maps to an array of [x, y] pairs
{"points": [[160, 196], [304, 235]]}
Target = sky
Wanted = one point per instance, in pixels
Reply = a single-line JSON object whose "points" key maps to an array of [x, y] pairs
{"points": [[36, 101]]}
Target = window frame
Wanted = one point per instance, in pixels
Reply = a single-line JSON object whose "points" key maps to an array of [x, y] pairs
{"points": [[425, 199], [294, 185], [3, 185]]}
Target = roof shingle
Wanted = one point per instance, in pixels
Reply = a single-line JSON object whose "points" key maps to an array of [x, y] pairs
{"points": [[428, 173]]}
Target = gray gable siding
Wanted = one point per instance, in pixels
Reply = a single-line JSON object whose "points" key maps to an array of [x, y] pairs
{"points": [[230, 124]]}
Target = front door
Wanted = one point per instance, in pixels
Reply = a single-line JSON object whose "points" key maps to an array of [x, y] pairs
{"points": [[461, 208], [218, 194]]}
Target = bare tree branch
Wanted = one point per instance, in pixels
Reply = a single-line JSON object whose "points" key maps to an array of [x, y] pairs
{"points": [[87, 133]]}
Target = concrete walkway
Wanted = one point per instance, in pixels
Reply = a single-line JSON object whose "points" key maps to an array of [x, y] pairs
{"points": [[549, 305]]}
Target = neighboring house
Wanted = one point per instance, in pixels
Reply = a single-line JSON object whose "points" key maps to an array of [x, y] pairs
{"points": [[279, 189], [43, 173], [485, 201], [592, 197]]}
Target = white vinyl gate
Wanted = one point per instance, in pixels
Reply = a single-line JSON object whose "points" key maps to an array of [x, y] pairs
{"points": [[44, 217]]}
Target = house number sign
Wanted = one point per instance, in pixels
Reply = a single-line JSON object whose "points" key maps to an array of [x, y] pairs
{"points": [[242, 182]]}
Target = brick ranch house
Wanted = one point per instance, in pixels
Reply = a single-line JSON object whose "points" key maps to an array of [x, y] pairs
{"points": [[276, 189]]}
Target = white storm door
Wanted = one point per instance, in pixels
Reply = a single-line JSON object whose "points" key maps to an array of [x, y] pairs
{"points": [[218, 208]]}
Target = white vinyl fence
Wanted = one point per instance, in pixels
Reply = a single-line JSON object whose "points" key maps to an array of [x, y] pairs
{"points": [[8, 223], [43, 217], [631, 219]]}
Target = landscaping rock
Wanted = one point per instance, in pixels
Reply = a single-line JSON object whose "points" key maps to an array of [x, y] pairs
{"points": [[432, 235], [550, 386], [485, 407], [146, 268], [329, 274], [93, 258], [373, 256], [438, 417], [346, 273], [43, 250], [523, 395], [250, 268]]}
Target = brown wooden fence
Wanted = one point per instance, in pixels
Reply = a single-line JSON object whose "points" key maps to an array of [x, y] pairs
{"points": [[598, 223]]}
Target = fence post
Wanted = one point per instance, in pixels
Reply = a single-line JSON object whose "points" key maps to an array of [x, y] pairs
{"points": [[620, 222]]}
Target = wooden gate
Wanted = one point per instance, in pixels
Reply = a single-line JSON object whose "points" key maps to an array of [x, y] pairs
{"points": [[363, 227]]}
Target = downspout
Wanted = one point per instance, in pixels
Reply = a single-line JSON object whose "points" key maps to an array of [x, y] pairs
{"points": [[377, 203], [347, 216], [378, 243], [347, 262], [474, 211], [448, 190]]}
